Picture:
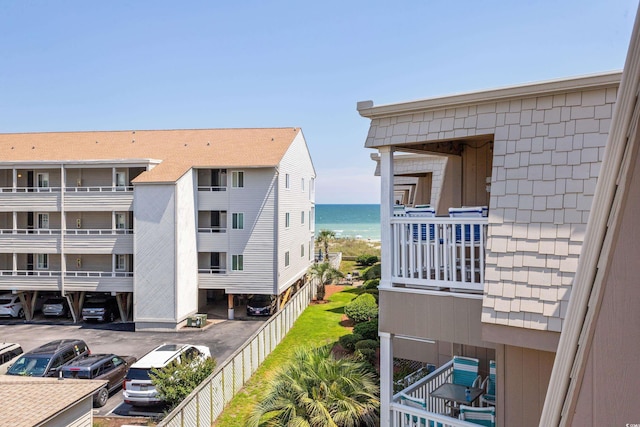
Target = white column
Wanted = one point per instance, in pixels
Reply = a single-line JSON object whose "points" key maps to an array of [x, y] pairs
{"points": [[15, 180], [15, 222], [386, 377], [386, 213], [15, 262]]}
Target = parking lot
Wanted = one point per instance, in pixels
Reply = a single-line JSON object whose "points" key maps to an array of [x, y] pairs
{"points": [[222, 338]]}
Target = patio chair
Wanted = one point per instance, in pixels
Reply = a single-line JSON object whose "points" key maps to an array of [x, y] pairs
{"points": [[413, 420], [465, 371], [483, 416], [489, 386]]}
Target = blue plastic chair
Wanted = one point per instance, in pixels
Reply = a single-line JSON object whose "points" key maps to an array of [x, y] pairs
{"points": [[465, 371], [483, 416], [489, 386]]}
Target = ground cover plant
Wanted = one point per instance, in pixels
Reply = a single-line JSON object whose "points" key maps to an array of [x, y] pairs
{"points": [[317, 326]]}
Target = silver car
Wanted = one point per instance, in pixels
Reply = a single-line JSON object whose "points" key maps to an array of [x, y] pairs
{"points": [[56, 307], [10, 305]]}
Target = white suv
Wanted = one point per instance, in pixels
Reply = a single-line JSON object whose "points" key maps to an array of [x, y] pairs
{"points": [[137, 387]]}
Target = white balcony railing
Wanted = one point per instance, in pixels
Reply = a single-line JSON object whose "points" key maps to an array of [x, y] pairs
{"points": [[212, 270], [97, 189], [30, 189], [98, 274], [212, 229], [439, 252], [38, 273], [435, 410], [211, 188], [100, 231]]}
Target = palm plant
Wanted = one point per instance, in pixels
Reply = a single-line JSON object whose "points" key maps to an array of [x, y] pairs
{"points": [[324, 238], [325, 275], [317, 390]]}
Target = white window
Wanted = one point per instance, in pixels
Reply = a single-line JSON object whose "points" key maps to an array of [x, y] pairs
{"points": [[237, 179], [43, 221], [121, 262], [287, 219], [286, 259], [310, 249], [302, 250], [237, 262], [302, 184], [301, 217], [42, 262], [237, 220], [121, 179], [121, 221], [43, 180], [286, 181]]}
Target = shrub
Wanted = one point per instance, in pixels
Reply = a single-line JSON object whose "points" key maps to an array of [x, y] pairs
{"points": [[372, 272], [373, 292], [362, 308], [175, 381], [368, 354], [367, 259], [367, 344], [371, 284], [348, 342], [368, 330]]}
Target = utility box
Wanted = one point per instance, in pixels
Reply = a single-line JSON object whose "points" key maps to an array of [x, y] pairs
{"points": [[197, 320]]}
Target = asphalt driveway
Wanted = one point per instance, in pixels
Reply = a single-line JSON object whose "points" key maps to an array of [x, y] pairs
{"points": [[222, 338]]}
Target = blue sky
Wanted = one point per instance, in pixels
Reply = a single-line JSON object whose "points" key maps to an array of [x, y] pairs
{"points": [[78, 65]]}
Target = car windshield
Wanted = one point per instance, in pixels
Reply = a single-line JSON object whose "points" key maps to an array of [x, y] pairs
{"points": [[260, 299], [53, 301], [31, 366], [94, 304], [4, 301], [138, 374]]}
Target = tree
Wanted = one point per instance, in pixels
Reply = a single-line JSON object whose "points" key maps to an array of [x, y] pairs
{"points": [[175, 381], [324, 238], [325, 275], [316, 389]]}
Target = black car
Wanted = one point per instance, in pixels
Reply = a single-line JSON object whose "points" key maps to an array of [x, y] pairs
{"points": [[45, 360], [261, 305], [100, 309], [106, 367]]}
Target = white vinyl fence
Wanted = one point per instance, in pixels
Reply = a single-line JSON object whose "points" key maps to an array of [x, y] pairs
{"points": [[203, 406]]}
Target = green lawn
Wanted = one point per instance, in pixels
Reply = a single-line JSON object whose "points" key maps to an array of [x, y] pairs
{"points": [[317, 325]]}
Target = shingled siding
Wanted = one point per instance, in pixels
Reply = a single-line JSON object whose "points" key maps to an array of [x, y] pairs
{"points": [[546, 158]]}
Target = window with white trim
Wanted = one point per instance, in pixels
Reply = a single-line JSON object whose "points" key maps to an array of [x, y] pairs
{"points": [[287, 220], [237, 262], [237, 179], [121, 262], [121, 221], [237, 221], [302, 184], [121, 179], [287, 184], [42, 261], [302, 250], [286, 259], [43, 221], [43, 180], [301, 217]]}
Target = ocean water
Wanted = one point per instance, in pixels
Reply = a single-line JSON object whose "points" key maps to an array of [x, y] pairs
{"points": [[358, 221]]}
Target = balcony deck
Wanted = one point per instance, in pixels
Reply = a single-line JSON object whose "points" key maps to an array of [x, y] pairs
{"points": [[435, 412], [439, 253]]}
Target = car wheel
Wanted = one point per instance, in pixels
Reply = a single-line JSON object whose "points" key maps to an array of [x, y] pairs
{"points": [[101, 398], [21, 313], [112, 317]]}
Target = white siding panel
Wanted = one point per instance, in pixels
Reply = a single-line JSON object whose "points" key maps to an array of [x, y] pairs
{"points": [[155, 253], [186, 247], [256, 241], [297, 164], [99, 201], [77, 415]]}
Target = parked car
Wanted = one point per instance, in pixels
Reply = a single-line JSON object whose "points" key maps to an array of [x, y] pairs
{"points": [[56, 307], [10, 305], [260, 305], [108, 367], [137, 387], [8, 353], [100, 309], [45, 360]]}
